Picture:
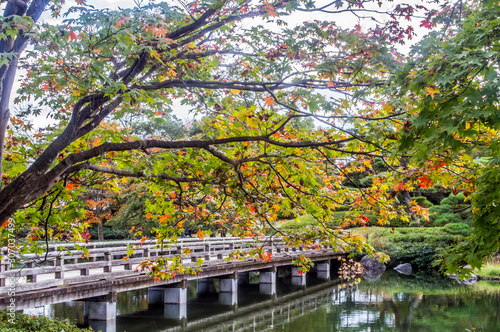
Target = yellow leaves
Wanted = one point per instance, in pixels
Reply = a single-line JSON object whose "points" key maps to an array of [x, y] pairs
{"points": [[172, 73], [235, 91], [431, 91], [387, 108]]}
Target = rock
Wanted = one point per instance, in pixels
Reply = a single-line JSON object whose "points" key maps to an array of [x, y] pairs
{"points": [[471, 281], [404, 268], [371, 264], [372, 275]]}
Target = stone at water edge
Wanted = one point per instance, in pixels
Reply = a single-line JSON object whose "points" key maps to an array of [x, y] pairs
{"points": [[370, 264], [404, 268], [471, 281]]}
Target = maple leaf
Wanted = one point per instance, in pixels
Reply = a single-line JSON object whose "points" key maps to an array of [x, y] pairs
{"points": [[72, 35], [269, 101], [120, 22], [400, 186], [431, 91], [424, 182], [200, 235], [426, 24]]}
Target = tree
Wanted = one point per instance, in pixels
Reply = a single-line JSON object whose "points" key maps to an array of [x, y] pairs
{"points": [[450, 89], [251, 82]]}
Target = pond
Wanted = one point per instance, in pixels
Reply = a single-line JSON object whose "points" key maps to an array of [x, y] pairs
{"points": [[392, 303]]}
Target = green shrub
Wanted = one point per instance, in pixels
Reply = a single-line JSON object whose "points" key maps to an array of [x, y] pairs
{"points": [[415, 224], [446, 218], [367, 181], [417, 246], [452, 199], [458, 228], [422, 201], [27, 323], [379, 165]]}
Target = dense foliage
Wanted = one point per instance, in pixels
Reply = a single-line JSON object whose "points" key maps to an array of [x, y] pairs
{"points": [[258, 77], [27, 323]]}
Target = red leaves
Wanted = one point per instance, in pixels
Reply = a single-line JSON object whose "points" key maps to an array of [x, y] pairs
{"points": [[425, 182], [426, 24], [72, 35], [86, 236]]}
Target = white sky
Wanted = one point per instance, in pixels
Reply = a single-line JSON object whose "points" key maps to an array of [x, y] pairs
{"points": [[344, 20]]}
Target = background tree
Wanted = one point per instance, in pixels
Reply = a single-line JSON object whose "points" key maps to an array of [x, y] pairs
{"points": [[450, 89]]}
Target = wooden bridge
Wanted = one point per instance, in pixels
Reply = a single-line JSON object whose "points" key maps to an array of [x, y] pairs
{"points": [[66, 276]]}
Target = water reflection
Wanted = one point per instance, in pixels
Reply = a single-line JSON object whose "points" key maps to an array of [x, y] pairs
{"points": [[392, 303]]}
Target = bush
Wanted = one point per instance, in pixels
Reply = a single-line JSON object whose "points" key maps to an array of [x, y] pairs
{"points": [[379, 165], [367, 182], [452, 199], [417, 246], [458, 228], [422, 201], [446, 218], [415, 224], [27, 323]]}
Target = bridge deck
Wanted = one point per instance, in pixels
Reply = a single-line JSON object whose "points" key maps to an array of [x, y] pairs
{"points": [[69, 277]]}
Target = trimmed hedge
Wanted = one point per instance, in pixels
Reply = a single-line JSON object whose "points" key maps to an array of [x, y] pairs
{"points": [[417, 246]]}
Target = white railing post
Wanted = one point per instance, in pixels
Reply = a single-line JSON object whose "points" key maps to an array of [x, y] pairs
{"points": [[107, 260], [60, 264]]}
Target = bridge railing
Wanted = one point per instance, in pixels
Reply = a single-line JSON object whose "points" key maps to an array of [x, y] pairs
{"points": [[65, 264]]}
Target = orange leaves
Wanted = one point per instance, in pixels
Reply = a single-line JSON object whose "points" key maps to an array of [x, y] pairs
{"points": [[164, 218], [425, 182], [269, 101], [200, 235], [400, 186]]}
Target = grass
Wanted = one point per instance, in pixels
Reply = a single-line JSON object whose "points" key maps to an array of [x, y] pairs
{"points": [[491, 269]]}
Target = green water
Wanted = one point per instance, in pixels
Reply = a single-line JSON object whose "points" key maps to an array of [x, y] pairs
{"points": [[392, 303]]}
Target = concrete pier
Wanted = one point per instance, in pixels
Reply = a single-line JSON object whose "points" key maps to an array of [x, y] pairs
{"points": [[267, 282], [298, 278], [323, 271], [228, 290]]}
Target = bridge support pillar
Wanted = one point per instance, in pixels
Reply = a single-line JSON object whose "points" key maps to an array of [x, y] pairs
{"points": [[228, 289], [323, 270], [101, 308], [298, 278], [243, 278], [267, 282], [205, 285], [173, 297]]}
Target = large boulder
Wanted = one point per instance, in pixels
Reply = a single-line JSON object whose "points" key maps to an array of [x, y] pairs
{"points": [[404, 268], [372, 275], [371, 264], [473, 278]]}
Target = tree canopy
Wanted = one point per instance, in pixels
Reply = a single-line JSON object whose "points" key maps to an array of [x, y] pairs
{"points": [[255, 74]]}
